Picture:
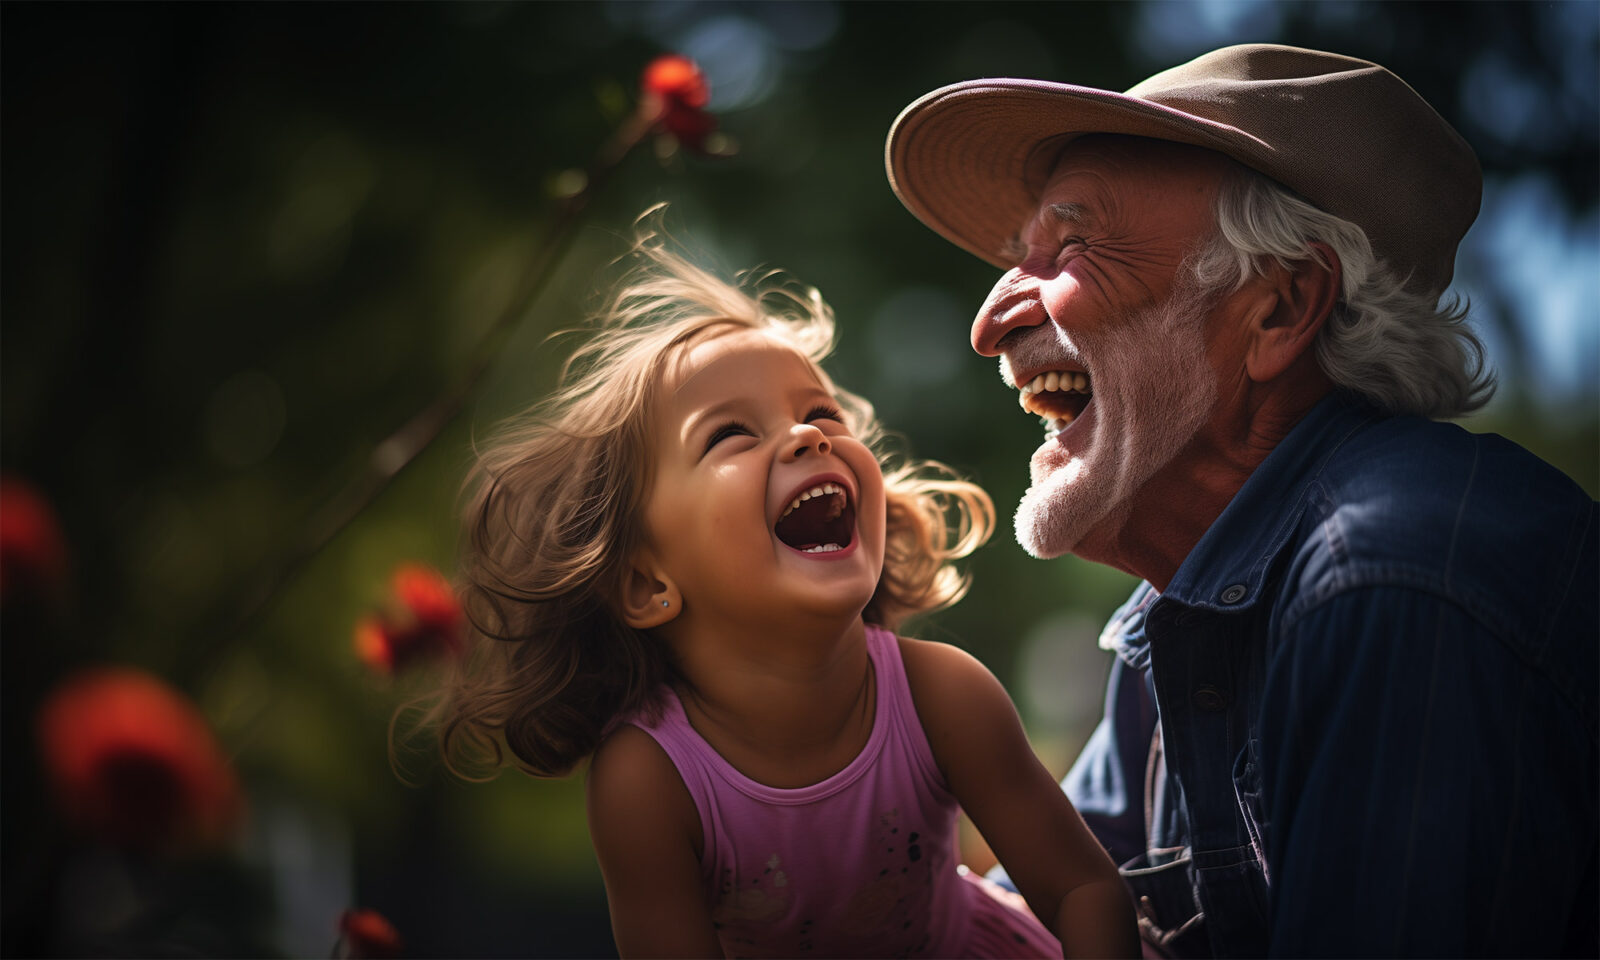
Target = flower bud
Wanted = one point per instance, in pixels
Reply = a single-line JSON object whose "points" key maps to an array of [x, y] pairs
{"points": [[134, 764]]}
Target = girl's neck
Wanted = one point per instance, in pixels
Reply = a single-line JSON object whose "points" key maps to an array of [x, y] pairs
{"points": [[785, 710]]}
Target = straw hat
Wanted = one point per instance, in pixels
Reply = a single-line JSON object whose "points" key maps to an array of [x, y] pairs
{"points": [[970, 159]]}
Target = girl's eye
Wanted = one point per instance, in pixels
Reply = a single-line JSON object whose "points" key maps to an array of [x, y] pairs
{"points": [[824, 411], [730, 429]]}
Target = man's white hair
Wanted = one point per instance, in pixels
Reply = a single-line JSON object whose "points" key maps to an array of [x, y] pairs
{"points": [[1402, 350]]}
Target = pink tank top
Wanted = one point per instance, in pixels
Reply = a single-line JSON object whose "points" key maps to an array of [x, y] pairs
{"points": [[861, 864]]}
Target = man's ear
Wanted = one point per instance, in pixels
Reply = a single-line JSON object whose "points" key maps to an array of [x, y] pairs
{"points": [[1288, 323], [649, 597]]}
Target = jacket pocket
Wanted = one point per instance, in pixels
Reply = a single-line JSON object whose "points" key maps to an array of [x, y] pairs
{"points": [[1170, 920], [1247, 791]]}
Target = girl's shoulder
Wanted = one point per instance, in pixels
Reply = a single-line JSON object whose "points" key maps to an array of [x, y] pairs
{"points": [[961, 705], [633, 789], [648, 843], [944, 672]]}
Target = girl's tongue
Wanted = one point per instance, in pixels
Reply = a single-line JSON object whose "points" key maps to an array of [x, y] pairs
{"points": [[819, 520]]}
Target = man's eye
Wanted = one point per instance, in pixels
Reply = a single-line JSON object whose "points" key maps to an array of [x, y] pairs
{"points": [[732, 428], [824, 411]]}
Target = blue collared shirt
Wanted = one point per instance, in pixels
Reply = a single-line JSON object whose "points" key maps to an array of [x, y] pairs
{"points": [[1362, 718]]}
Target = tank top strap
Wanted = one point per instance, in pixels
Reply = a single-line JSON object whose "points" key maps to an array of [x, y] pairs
{"points": [[900, 710], [718, 789], [687, 750]]}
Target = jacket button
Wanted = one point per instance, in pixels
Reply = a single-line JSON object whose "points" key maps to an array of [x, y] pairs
{"points": [[1210, 699], [1234, 593]]}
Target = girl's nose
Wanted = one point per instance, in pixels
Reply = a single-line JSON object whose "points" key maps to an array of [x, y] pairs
{"points": [[805, 438], [1012, 305]]}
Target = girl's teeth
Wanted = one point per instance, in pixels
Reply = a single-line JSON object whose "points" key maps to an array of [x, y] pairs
{"points": [[817, 491], [823, 548]]}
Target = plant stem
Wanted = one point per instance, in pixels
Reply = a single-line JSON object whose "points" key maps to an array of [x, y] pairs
{"points": [[404, 445]]}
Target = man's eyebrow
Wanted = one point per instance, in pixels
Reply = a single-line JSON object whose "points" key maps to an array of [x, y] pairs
{"points": [[1051, 214], [1074, 213]]}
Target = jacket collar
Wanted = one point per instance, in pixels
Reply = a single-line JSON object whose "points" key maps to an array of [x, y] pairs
{"points": [[1227, 569]]}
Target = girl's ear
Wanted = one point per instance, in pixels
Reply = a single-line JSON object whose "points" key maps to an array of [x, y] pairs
{"points": [[649, 598]]}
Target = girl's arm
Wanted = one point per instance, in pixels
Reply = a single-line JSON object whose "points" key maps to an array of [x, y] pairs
{"points": [[646, 832], [1057, 864]]}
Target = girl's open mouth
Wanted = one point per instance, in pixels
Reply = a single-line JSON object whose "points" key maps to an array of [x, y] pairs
{"points": [[820, 519]]}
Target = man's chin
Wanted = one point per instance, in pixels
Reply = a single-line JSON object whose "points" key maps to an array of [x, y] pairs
{"points": [[1046, 526]]}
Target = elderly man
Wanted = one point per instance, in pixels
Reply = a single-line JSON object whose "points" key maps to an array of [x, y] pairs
{"points": [[1354, 705]]}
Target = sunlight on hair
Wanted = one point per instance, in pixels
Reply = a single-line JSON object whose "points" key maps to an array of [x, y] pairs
{"points": [[556, 500]]}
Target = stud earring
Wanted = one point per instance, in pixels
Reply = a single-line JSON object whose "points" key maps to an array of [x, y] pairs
{"points": [[666, 603]]}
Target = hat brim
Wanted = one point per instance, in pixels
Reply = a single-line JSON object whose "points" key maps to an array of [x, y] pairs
{"points": [[970, 160]]}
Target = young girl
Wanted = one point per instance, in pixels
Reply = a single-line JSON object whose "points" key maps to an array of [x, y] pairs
{"points": [[687, 564]]}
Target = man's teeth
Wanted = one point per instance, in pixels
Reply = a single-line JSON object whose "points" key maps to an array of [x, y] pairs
{"points": [[1056, 381], [817, 491]]}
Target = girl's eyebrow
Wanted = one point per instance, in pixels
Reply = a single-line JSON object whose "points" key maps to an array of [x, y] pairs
{"points": [[716, 411]]}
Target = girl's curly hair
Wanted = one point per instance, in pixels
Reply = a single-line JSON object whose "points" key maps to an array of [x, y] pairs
{"points": [[555, 509]]}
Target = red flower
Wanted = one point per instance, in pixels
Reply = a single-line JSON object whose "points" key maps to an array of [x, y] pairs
{"points": [[134, 764], [427, 595], [423, 620], [372, 644], [676, 93], [366, 933], [33, 555]]}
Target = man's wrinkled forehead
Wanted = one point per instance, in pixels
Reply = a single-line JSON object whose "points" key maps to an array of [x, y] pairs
{"points": [[1100, 167], [1080, 208]]}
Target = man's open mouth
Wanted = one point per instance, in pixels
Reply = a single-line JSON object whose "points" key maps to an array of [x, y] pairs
{"points": [[820, 519], [1058, 397]]}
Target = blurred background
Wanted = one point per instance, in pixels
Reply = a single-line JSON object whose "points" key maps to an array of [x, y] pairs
{"points": [[244, 244]]}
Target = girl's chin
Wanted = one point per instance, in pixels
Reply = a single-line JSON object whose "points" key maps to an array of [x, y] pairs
{"points": [[840, 574]]}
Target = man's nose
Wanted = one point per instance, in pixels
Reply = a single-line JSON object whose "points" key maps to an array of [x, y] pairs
{"points": [[1012, 305], [805, 438]]}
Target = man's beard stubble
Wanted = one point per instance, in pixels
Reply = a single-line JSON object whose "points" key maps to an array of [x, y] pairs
{"points": [[1153, 390]]}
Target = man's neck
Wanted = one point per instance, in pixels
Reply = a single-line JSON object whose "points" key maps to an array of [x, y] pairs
{"points": [[1171, 513], [1158, 530]]}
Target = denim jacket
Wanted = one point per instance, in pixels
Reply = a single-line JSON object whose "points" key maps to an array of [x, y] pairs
{"points": [[1362, 718]]}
